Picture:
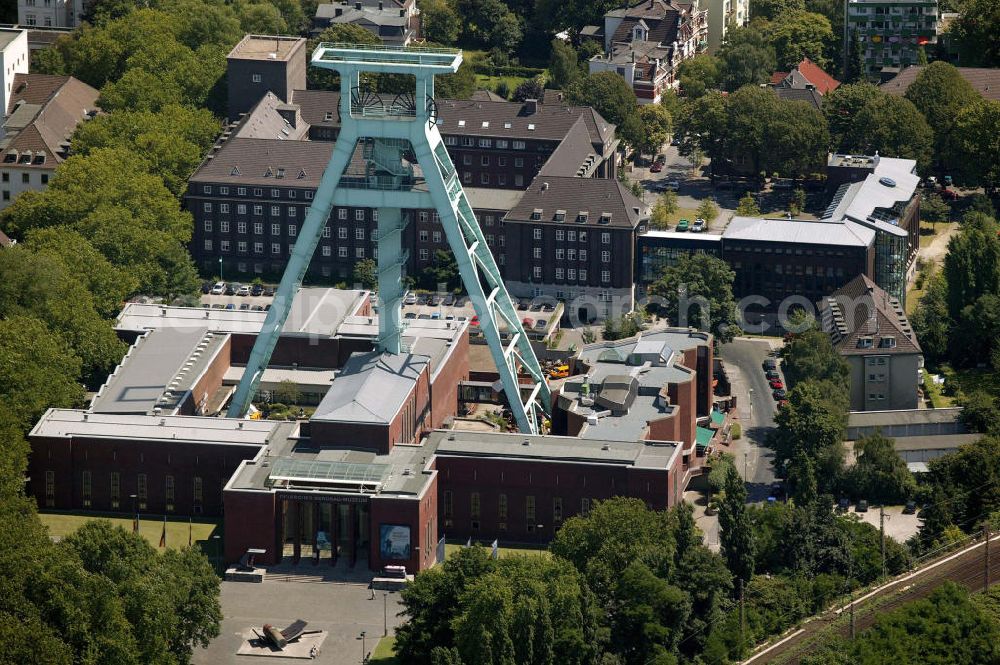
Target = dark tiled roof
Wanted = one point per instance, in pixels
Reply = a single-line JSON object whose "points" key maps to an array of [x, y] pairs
{"points": [[593, 196], [265, 122], [860, 309], [814, 74], [466, 116], [793, 95], [246, 162], [47, 110], [986, 81], [486, 96]]}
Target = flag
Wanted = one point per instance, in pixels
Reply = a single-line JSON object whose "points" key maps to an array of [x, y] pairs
{"points": [[190, 528], [163, 535], [496, 549], [469, 544], [440, 550]]}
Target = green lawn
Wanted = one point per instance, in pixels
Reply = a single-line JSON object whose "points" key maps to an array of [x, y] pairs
{"points": [[490, 82], [385, 652], [690, 214], [63, 524], [451, 548]]}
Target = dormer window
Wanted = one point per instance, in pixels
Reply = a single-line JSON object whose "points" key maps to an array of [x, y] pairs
{"points": [[560, 216], [582, 217], [887, 343], [638, 34], [605, 218], [461, 123], [281, 172], [235, 171], [536, 215], [865, 342]]}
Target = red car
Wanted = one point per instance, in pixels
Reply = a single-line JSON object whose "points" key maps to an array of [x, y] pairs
{"points": [[527, 323], [656, 167], [776, 384], [949, 194], [474, 321]]}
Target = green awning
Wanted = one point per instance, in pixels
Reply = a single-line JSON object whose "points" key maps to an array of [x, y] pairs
{"points": [[703, 437], [718, 417]]}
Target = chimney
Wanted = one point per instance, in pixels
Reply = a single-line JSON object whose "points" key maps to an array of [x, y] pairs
{"points": [[380, 5], [357, 5], [338, 11], [531, 106]]}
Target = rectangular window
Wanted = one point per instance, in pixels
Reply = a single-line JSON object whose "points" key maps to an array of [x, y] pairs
{"points": [[518, 145], [474, 505], [197, 490], [342, 232], [341, 213], [258, 210], [116, 488], [326, 250], [87, 488], [50, 489], [606, 238], [224, 226], [208, 226], [502, 507], [275, 211], [583, 255], [583, 275], [423, 235], [467, 160], [224, 208], [224, 191], [276, 248], [292, 230], [436, 236], [557, 511], [529, 510], [359, 234], [169, 489], [326, 232], [537, 252], [258, 191], [585, 507], [208, 245], [484, 178], [258, 248], [605, 275], [537, 233], [424, 254], [342, 252], [256, 78], [449, 506], [241, 209], [571, 274], [537, 272], [241, 228], [359, 252], [206, 189], [207, 206], [605, 257], [224, 246], [359, 215], [241, 191], [559, 273], [560, 253], [275, 193], [141, 490], [276, 229], [241, 247]]}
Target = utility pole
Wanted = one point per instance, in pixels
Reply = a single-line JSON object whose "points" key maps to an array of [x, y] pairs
{"points": [[881, 529], [986, 557]]}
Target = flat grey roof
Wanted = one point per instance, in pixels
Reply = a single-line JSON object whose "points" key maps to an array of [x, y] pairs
{"points": [[674, 235], [935, 441], [8, 35], [807, 232], [483, 198], [902, 417], [402, 472], [66, 423], [371, 388], [642, 454], [159, 369], [266, 47], [315, 311], [600, 357]]}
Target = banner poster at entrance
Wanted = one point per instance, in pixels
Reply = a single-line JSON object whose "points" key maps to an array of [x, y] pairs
{"points": [[394, 541], [440, 550]]}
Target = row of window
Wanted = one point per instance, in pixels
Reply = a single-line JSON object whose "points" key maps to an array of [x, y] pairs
{"points": [[472, 142], [484, 160], [360, 233], [141, 490], [307, 194], [292, 211], [25, 178], [571, 274], [484, 179], [571, 236], [242, 247], [475, 507]]}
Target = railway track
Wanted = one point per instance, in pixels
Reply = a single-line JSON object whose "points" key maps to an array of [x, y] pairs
{"points": [[965, 567]]}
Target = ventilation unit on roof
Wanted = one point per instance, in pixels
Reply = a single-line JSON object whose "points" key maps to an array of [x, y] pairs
{"points": [[888, 182]]}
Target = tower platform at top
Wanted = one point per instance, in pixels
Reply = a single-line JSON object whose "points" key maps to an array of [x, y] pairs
{"points": [[387, 59]]}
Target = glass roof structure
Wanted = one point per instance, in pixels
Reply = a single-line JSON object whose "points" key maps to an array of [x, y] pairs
{"points": [[291, 472]]}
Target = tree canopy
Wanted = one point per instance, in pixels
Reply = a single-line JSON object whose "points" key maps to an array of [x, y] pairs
{"points": [[698, 291]]}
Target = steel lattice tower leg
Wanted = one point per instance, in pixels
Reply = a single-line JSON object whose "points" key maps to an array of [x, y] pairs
{"points": [[384, 132]]}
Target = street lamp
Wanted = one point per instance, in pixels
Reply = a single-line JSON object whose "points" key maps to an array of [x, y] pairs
{"points": [[220, 270], [364, 651], [135, 511]]}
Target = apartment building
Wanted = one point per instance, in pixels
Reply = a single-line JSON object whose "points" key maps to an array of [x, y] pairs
{"points": [[50, 13], [646, 42], [892, 31], [723, 15], [393, 22]]}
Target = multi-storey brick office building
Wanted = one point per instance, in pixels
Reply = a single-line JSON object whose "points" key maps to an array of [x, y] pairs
{"points": [[574, 239], [264, 63]]}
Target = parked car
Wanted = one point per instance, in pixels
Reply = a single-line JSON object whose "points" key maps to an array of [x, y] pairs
{"points": [[218, 305], [523, 305], [267, 307], [862, 506], [559, 372], [910, 508], [930, 182], [540, 324], [843, 504], [777, 490], [449, 300], [527, 323], [675, 141], [206, 287], [410, 315], [422, 299], [474, 321], [268, 291], [770, 365], [548, 308], [409, 299], [231, 306], [947, 181], [535, 307], [243, 291], [672, 184], [219, 288], [423, 316], [778, 394], [949, 194], [257, 308], [656, 167], [776, 384], [245, 307], [683, 225], [256, 290], [698, 226], [231, 289], [435, 315], [772, 374]]}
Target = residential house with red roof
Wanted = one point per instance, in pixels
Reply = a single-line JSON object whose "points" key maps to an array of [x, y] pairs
{"points": [[807, 75], [41, 116]]}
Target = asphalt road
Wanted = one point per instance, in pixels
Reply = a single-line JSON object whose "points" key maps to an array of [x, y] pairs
{"points": [[744, 358]]}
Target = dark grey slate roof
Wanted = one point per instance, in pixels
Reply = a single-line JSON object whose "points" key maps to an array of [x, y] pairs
{"points": [[594, 196], [246, 162]]}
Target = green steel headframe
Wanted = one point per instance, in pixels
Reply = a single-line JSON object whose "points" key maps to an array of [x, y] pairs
{"points": [[403, 164]]}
